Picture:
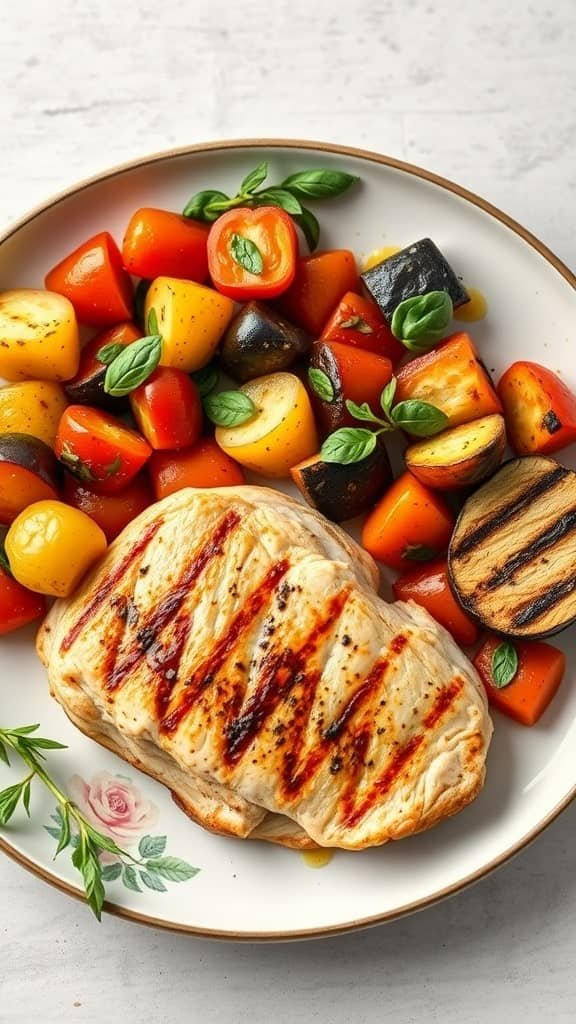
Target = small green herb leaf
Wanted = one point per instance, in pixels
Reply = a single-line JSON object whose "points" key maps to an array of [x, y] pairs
{"points": [[152, 323], [309, 226], [253, 180], [419, 553], [229, 408], [504, 664], [364, 412], [74, 463], [9, 800], [418, 418], [318, 184], [279, 197], [4, 754], [108, 353], [246, 253], [321, 384], [421, 321], [133, 365], [387, 396], [152, 846], [356, 323], [348, 445], [206, 379], [202, 205]]}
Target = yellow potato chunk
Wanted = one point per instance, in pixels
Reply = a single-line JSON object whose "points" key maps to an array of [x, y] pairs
{"points": [[33, 407], [191, 319], [280, 434], [38, 335]]}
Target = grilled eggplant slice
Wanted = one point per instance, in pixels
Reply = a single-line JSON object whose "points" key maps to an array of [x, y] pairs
{"points": [[342, 492], [419, 268], [459, 457], [512, 557], [259, 341]]}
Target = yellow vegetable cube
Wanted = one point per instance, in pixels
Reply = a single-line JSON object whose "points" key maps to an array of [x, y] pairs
{"points": [[38, 335], [33, 407], [281, 433], [191, 319]]}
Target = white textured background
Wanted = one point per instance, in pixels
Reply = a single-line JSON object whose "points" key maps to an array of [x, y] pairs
{"points": [[483, 93]]}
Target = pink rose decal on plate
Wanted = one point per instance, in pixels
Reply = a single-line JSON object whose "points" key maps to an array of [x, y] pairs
{"points": [[118, 810], [114, 805]]}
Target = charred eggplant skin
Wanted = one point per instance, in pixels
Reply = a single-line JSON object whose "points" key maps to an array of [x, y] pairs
{"points": [[258, 341], [341, 492], [32, 454], [415, 270], [513, 550]]}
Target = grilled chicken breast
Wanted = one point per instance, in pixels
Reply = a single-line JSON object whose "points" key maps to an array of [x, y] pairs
{"points": [[232, 644]]}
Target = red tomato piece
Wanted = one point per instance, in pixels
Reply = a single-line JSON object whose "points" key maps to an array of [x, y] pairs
{"points": [[204, 465], [428, 586], [252, 253], [539, 409], [159, 243], [112, 512], [168, 409], [18, 606], [98, 449], [358, 321], [540, 671], [321, 280], [95, 281], [409, 523]]}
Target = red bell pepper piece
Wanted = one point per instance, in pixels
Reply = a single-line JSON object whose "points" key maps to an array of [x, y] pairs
{"points": [[98, 449], [428, 586], [168, 409], [252, 253], [95, 281], [159, 243], [320, 282], [358, 321], [539, 409], [540, 671]]}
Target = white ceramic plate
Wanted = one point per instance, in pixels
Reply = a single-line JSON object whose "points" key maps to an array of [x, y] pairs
{"points": [[253, 890]]}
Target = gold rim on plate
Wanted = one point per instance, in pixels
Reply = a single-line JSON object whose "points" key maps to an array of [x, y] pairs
{"points": [[550, 257]]}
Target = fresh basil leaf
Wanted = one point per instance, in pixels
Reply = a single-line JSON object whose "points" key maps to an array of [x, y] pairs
{"points": [[320, 383], [246, 253], [319, 184], [418, 418], [422, 320], [356, 323], [229, 408], [253, 180], [152, 323], [504, 664], [387, 396], [309, 226], [279, 197], [348, 445], [363, 412], [419, 553], [133, 366], [206, 205], [206, 379], [108, 353], [140, 302]]}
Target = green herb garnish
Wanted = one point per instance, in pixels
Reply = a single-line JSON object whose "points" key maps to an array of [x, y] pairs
{"points": [[321, 384], [229, 408], [133, 365], [504, 664], [246, 253], [421, 321]]}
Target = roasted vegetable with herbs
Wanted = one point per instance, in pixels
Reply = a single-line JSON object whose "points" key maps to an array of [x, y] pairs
{"points": [[167, 409], [28, 472], [18, 606], [341, 373], [513, 551], [203, 465], [38, 336], [94, 280], [87, 385], [260, 341], [520, 678], [159, 243], [428, 585], [99, 449], [452, 378], [252, 253], [422, 321], [409, 524], [268, 426], [111, 512], [413, 271], [540, 409], [321, 281], [341, 491], [357, 321], [190, 318], [459, 457]]}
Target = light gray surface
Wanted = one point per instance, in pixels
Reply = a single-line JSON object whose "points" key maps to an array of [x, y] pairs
{"points": [[485, 97]]}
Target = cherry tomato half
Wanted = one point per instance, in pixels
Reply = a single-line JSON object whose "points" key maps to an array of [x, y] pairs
{"points": [[168, 409], [252, 253], [98, 449], [95, 281]]}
